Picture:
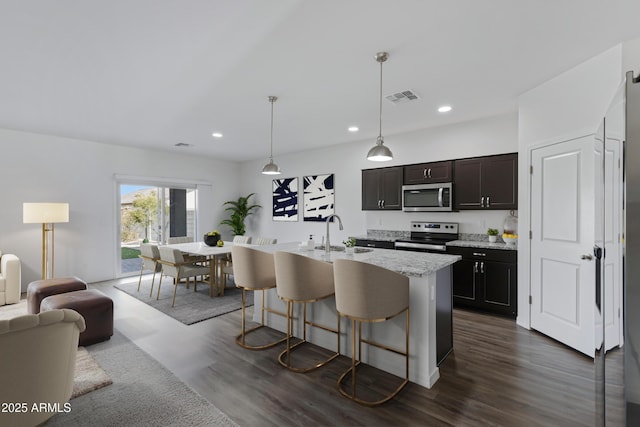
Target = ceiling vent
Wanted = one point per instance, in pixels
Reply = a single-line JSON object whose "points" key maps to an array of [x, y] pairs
{"points": [[182, 144], [402, 97]]}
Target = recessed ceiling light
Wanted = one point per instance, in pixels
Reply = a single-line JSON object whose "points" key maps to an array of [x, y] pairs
{"points": [[444, 109], [216, 135], [182, 144], [353, 129]]}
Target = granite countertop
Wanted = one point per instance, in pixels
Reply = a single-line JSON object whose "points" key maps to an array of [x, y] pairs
{"points": [[377, 238], [483, 244], [413, 264]]}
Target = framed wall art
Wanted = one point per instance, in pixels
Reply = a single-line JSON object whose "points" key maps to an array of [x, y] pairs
{"points": [[319, 196], [285, 199]]}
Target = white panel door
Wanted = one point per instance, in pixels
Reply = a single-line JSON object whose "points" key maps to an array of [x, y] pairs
{"points": [[562, 224], [610, 195]]}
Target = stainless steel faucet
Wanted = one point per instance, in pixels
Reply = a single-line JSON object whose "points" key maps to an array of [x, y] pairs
{"points": [[327, 245]]}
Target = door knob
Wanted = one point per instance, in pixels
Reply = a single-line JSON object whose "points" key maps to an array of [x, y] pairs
{"points": [[588, 257]]}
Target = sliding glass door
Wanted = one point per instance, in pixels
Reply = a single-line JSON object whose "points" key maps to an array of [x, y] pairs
{"points": [[152, 213]]}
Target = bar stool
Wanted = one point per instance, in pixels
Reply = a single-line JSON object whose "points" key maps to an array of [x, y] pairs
{"points": [[300, 279], [368, 293], [254, 270]]}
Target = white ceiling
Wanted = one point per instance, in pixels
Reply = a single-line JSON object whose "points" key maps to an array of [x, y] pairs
{"points": [[153, 73]]}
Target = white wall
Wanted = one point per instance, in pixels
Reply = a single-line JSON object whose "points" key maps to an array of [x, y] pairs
{"points": [[570, 105], [480, 137], [40, 168]]}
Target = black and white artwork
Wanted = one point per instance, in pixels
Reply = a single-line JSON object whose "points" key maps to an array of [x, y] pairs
{"points": [[319, 195], [285, 199]]}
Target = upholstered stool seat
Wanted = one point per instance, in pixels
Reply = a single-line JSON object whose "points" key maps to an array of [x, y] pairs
{"points": [[254, 270], [41, 289], [369, 293], [93, 305], [303, 280]]}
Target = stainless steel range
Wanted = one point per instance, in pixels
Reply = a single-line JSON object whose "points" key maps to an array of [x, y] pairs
{"points": [[429, 236]]}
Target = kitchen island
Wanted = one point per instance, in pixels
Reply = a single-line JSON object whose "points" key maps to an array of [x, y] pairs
{"points": [[430, 303]]}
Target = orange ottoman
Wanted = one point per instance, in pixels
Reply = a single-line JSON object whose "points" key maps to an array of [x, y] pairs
{"points": [[93, 305], [40, 289]]}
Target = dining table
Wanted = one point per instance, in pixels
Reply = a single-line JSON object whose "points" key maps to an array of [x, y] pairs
{"points": [[213, 254]]}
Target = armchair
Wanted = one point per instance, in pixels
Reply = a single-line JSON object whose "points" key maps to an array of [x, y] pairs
{"points": [[10, 279], [37, 363]]}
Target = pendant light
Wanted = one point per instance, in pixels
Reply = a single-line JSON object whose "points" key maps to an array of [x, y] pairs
{"points": [[379, 152], [271, 168]]}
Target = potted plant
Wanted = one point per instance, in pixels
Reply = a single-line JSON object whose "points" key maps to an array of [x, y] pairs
{"points": [[349, 245], [240, 209], [212, 238], [493, 235]]}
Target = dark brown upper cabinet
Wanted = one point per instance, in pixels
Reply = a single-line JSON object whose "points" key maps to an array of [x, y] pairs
{"points": [[382, 189], [428, 173], [489, 182]]}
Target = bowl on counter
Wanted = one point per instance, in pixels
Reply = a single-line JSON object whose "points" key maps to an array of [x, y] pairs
{"points": [[510, 240]]}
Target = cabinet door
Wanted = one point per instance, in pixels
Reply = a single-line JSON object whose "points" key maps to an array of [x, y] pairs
{"points": [[370, 189], [500, 287], [391, 188], [500, 182], [464, 281], [426, 173], [467, 183]]}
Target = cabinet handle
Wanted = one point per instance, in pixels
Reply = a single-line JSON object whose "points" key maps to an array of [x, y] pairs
{"points": [[379, 203], [382, 203], [482, 202], [424, 173], [488, 204], [482, 267], [479, 254], [429, 173], [475, 267]]}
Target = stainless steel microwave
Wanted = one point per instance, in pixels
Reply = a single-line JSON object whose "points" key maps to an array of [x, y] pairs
{"points": [[427, 197]]}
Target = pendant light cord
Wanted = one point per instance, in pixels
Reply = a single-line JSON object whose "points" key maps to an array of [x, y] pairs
{"points": [[271, 148], [272, 99], [380, 134]]}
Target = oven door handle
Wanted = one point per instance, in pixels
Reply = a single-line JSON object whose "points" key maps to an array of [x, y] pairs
{"points": [[440, 190], [410, 245]]}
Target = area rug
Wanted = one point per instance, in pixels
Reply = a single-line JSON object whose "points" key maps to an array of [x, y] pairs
{"points": [[143, 393], [89, 376], [190, 307]]}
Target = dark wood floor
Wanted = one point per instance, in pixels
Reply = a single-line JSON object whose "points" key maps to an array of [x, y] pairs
{"points": [[498, 374]]}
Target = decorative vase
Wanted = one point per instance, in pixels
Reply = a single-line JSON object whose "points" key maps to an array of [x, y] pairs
{"points": [[211, 240], [492, 239], [511, 224]]}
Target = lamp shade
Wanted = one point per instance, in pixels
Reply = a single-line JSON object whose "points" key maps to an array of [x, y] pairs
{"points": [[379, 152], [271, 168], [42, 213]]}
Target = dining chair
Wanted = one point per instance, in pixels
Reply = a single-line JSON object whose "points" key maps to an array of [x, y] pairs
{"points": [[303, 280], [263, 241], [367, 293], [254, 271], [242, 239], [174, 265], [150, 256]]}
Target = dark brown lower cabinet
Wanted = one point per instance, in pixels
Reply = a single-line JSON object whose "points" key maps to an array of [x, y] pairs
{"points": [[486, 279]]}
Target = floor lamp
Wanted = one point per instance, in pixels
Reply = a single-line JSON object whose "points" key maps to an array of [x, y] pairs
{"points": [[47, 214]]}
